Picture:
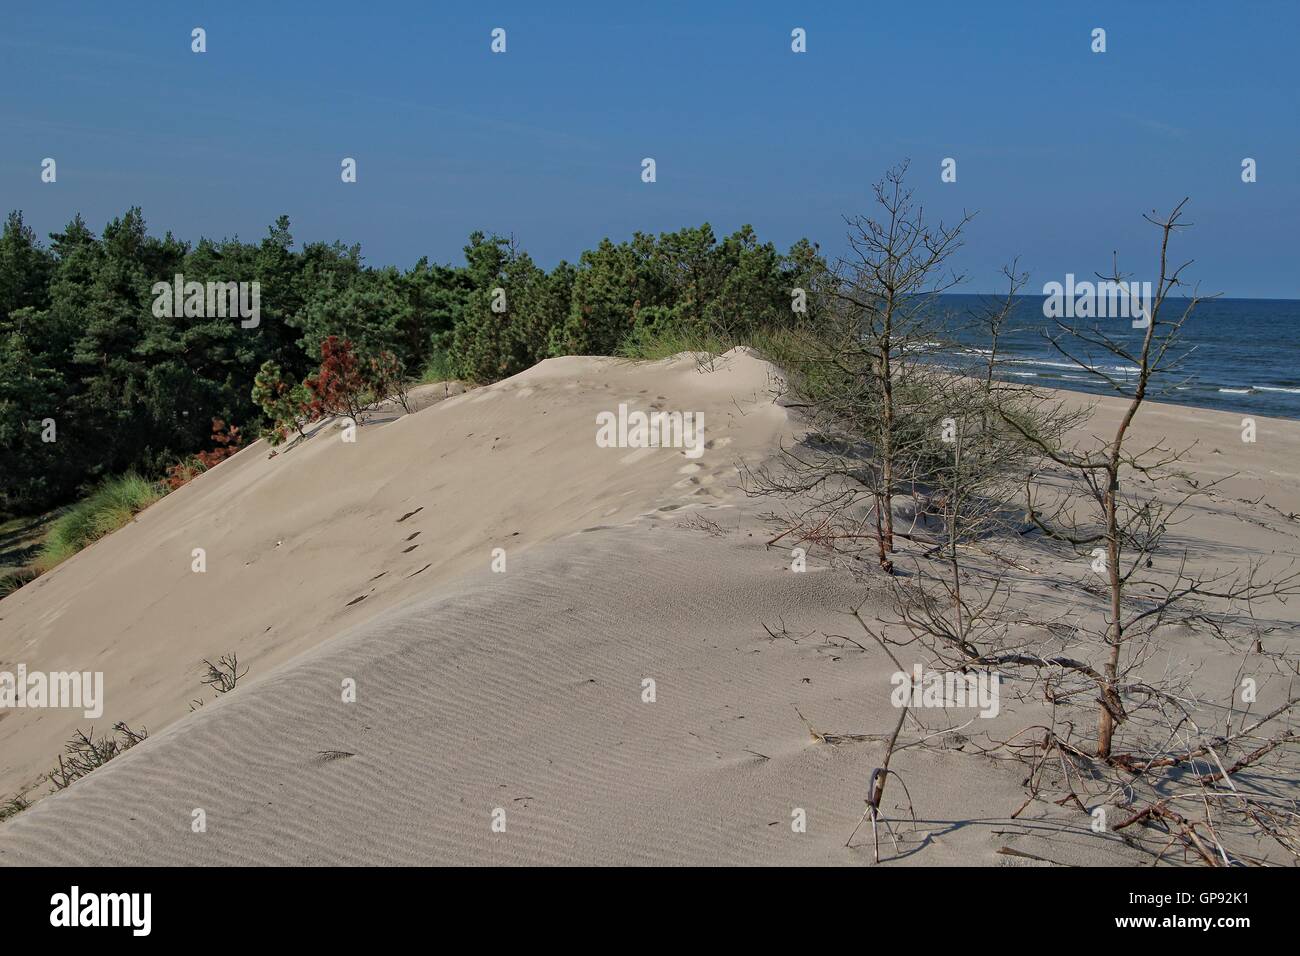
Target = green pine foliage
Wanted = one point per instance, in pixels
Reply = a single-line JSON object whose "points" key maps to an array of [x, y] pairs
{"points": [[283, 402], [126, 390]]}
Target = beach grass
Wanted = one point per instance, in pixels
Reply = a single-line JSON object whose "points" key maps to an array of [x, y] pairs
{"points": [[441, 367], [20, 545], [13, 806], [110, 506], [652, 343]]}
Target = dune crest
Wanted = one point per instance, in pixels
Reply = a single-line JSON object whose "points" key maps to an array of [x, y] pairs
{"points": [[316, 540]]}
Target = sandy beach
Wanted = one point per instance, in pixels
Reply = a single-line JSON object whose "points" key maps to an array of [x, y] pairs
{"points": [[504, 716]]}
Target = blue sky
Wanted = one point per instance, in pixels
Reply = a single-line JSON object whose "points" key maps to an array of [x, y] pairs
{"points": [[1059, 149]]}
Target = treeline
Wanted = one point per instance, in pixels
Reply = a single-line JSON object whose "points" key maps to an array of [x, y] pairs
{"points": [[95, 381]]}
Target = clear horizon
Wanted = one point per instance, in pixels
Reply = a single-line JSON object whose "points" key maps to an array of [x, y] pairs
{"points": [[1058, 148]]}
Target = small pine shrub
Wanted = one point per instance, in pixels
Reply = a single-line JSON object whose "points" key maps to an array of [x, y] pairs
{"points": [[341, 386], [387, 380], [285, 403]]}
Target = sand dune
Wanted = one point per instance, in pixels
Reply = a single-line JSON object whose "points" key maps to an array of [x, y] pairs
{"points": [[293, 541], [528, 697], [521, 691]]}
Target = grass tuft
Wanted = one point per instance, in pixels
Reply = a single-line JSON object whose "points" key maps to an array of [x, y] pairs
{"points": [[83, 753], [650, 343], [441, 367], [13, 806], [11, 581], [110, 506]]}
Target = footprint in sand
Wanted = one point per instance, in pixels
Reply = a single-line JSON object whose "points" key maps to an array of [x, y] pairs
{"points": [[693, 481]]}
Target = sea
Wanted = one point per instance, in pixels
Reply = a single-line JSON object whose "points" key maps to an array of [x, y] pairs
{"points": [[1235, 355]]}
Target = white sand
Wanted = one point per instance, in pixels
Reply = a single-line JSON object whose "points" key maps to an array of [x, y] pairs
{"points": [[519, 690]]}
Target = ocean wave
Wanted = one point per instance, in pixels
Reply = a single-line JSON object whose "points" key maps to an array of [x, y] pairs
{"points": [[1253, 389], [1075, 366], [1045, 363]]}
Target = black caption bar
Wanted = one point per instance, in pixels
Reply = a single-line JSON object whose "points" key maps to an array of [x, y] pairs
{"points": [[336, 905]]}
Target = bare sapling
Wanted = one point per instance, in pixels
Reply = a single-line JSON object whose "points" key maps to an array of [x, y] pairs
{"points": [[864, 375], [1115, 505]]}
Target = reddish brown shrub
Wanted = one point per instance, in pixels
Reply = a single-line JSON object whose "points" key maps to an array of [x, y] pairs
{"points": [[225, 440], [341, 386]]}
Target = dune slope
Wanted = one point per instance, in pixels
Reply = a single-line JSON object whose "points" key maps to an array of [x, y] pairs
{"points": [[325, 536], [521, 697]]}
